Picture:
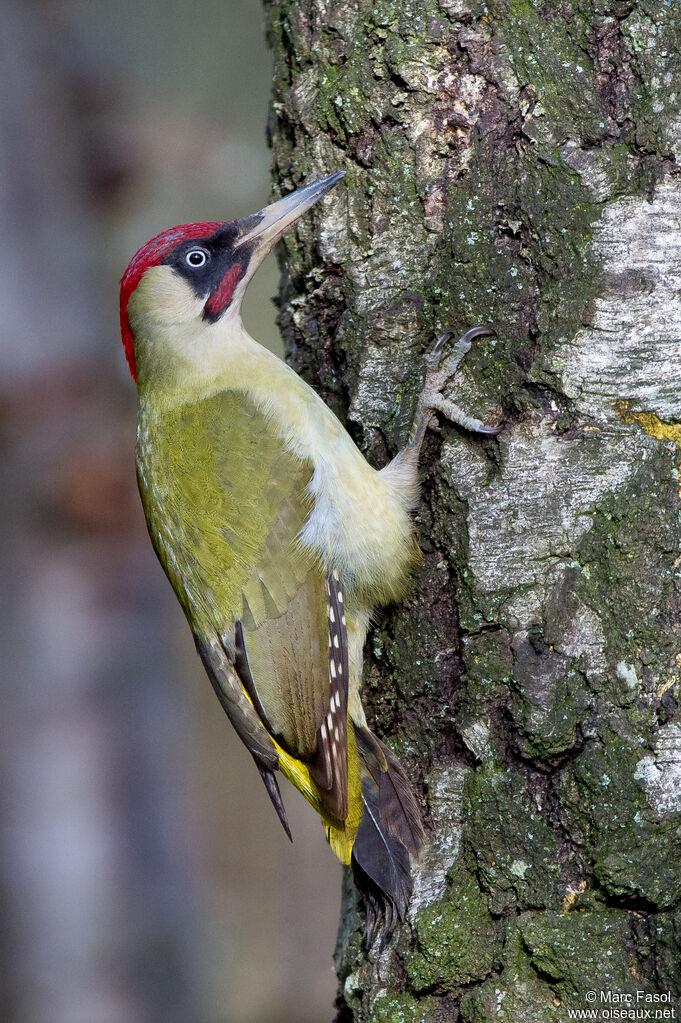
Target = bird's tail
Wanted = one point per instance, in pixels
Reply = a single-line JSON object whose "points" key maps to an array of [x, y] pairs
{"points": [[389, 836]]}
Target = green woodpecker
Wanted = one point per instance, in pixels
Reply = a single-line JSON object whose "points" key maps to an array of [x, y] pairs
{"points": [[277, 536]]}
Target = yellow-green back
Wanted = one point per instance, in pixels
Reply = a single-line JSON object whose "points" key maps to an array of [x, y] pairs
{"points": [[225, 501]]}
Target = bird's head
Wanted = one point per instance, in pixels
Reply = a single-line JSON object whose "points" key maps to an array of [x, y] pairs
{"points": [[195, 273]]}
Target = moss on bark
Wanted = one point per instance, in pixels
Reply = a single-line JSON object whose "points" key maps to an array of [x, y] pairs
{"points": [[511, 163]]}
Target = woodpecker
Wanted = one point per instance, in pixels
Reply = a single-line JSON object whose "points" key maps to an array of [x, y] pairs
{"points": [[277, 536]]}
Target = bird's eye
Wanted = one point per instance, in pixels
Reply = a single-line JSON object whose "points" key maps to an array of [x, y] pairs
{"points": [[196, 258]]}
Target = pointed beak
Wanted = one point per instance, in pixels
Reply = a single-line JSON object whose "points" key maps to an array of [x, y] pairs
{"points": [[265, 228]]}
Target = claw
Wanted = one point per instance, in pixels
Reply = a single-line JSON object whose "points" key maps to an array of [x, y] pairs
{"points": [[441, 342], [457, 415], [474, 332], [461, 346], [436, 378]]}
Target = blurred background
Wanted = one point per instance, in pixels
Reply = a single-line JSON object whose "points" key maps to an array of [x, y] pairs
{"points": [[144, 875]]}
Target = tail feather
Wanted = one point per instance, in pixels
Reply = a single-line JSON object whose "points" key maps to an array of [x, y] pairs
{"points": [[389, 833], [398, 807]]}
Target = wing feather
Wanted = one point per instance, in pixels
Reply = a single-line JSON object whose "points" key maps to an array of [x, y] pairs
{"points": [[226, 502], [330, 765]]}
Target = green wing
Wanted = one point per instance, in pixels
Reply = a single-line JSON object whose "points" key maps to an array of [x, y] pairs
{"points": [[225, 502]]}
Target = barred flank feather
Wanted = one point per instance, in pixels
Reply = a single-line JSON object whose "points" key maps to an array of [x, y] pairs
{"points": [[390, 832]]}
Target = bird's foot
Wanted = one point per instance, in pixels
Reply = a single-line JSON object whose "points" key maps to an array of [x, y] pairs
{"points": [[437, 376]]}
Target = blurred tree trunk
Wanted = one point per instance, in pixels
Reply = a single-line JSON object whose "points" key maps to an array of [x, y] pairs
{"points": [[510, 163], [95, 926]]}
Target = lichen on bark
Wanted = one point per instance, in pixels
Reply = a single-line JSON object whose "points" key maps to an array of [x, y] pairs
{"points": [[509, 163]]}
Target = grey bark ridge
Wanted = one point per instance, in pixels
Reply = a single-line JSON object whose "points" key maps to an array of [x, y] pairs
{"points": [[509, 163]]}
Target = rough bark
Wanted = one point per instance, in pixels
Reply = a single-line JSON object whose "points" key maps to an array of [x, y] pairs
{"points": [[510, 163]]}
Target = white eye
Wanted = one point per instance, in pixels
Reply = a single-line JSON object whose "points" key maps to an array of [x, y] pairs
{"points": [[196, 258]]}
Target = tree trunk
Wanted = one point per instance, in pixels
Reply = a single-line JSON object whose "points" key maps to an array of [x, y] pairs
{"points": [[510, 163]]}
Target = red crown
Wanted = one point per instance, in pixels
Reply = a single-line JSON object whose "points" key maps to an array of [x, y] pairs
{"points": [[152, 254]]}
